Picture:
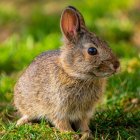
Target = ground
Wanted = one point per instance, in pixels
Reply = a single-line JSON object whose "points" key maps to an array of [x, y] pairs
{"points": [[28, 28]]}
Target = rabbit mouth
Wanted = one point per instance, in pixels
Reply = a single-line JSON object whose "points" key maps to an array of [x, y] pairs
{"points": [[103, 74], [105, 69]]}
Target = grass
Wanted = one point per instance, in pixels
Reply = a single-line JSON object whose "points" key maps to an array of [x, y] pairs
{"points": [[34, 27]]}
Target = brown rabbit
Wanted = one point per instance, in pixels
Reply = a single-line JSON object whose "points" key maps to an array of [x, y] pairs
{"points": [[64, 85]]}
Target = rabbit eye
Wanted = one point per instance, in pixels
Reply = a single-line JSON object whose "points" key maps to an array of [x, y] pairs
{"points": [[92, 51]]}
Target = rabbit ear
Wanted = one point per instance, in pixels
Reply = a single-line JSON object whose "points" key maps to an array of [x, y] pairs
{"points": [[70, 24], [81, 18]]}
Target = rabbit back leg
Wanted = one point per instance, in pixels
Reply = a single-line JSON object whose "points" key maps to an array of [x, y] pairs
{"points": [[24, 119]]}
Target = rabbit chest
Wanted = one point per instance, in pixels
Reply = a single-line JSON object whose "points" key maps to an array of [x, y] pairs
{"points": [[77, 98]]}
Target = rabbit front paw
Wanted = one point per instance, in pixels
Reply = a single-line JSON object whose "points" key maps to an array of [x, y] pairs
{"points": [[87, 136]]}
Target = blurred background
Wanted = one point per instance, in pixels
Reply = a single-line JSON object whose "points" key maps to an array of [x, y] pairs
{"points": [[29, 27]]}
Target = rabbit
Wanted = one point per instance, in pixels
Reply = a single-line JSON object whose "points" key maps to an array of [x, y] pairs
{"points": [[65, 85]]}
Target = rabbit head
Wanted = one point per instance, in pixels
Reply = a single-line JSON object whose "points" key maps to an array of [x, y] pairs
{"points": [[84, 54]]}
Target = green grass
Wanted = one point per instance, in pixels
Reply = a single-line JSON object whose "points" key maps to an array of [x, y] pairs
{"points": [[34, 27]]}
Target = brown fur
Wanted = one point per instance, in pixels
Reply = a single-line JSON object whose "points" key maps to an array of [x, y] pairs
{"points": [[65, 85]]}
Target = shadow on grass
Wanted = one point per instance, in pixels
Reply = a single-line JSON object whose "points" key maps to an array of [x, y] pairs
{"points": [[114, 122]]}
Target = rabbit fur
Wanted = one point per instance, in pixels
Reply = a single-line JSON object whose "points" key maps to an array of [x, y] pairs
{"points": [[64, 85]]}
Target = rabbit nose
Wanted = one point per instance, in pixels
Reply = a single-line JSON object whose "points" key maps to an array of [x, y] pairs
{"points": [[116, 64]]}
